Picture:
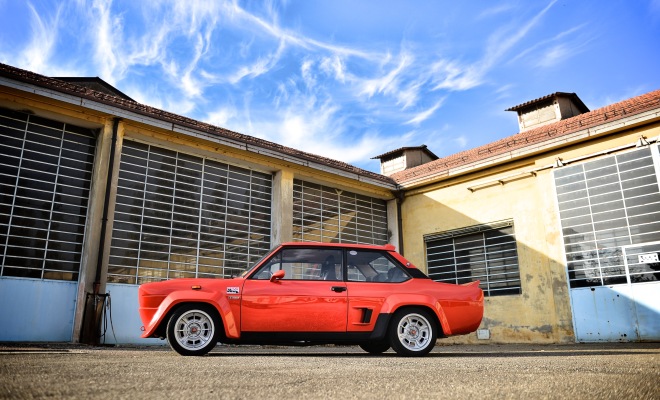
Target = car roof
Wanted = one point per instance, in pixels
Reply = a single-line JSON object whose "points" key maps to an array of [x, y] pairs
{"points": [[386, 247]]}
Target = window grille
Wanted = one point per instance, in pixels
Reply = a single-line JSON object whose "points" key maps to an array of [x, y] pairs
{"points": [[486, 253], [179, 215], [45, 175], [605, 205], [326, 214]]}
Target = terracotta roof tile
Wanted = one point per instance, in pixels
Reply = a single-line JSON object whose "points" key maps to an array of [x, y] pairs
{"points": [[400, 150], [583, 108], [535, 136], [129, 105]]}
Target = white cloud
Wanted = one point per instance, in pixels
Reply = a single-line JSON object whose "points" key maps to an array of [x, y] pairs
{"points": [[108, 40], [44, 34], [221, 117], [316, 127], [334, 66], [503, 91], [493, 11], [307, 73], [426, 114], [450, 75], [553, 56], [388, 83], [242, 70], [259, 67], [155, 98], [568, 51], [461, 141], [504, 40]]}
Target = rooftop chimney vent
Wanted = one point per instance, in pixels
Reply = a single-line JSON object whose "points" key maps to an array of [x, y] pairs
{"points": [[548, 109], [404, 158]]}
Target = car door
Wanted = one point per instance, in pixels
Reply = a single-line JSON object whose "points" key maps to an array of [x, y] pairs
{"points": [[372, 277], [310, 297]]}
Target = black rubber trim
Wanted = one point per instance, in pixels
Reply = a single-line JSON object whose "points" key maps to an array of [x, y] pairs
{"points": [[380, 330], [415, 273], [303, 338]]}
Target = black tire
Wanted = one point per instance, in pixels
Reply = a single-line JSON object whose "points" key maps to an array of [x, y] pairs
{"points": [[193, 329], [412, 332], [375, 347]]}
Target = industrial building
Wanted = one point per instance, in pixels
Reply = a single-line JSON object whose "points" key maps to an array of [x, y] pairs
{"points": [[98, 194]]}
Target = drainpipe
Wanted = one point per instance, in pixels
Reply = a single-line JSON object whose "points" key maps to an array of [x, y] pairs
{"points": [[95, 301], [400, 197]]}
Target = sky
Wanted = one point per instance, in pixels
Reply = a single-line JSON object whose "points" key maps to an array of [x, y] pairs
{"points": [[345, 79]]}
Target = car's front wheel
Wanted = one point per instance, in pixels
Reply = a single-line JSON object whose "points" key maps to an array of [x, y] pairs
{"points": [[192, 330], [375, 347], [412, 332]]}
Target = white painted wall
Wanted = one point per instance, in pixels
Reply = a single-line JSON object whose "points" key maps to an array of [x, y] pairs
{"points": [[125, 317], [35, 310]]}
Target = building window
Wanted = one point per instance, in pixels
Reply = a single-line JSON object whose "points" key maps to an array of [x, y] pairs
{"points": [[179, 215], [326, 214], [45, 175], [605, 206], [484, 252]]}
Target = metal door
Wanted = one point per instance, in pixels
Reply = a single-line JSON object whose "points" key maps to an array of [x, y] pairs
{"points": [[624, 312]]}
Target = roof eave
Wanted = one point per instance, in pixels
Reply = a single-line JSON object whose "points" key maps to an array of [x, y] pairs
{"points": [[353, 173], [632, 121]]}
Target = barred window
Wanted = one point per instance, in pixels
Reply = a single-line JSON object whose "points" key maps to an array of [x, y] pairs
{"points": [[45, 175], [486, 253], [604, 206], [326, 214], [180, 216]]}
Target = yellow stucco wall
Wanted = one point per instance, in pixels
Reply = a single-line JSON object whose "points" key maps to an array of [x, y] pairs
{"points": [[542, 312]]}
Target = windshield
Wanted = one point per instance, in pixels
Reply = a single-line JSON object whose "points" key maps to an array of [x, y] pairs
{"points": [[247, 271]]}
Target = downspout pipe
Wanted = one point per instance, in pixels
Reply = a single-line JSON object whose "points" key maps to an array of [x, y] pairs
{"points": [[106, 202], [400, 197]]}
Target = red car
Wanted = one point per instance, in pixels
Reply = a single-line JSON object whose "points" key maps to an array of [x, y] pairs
{"points": [[313, 293]]}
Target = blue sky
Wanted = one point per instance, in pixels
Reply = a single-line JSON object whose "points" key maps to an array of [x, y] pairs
{"points": [[346, 79]]}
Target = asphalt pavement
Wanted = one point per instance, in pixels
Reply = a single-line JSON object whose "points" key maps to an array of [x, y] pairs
{"points": [[575, 371]]}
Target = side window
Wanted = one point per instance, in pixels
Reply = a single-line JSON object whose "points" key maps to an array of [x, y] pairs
{"points": [[304, 264], [373, 266]]}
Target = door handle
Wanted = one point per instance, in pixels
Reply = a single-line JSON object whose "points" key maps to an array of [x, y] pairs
{"points": [[338, 289]]}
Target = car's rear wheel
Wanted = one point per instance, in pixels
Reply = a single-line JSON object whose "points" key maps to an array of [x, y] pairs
{"points": [[412, 332], [193, 330], [375, 347]]}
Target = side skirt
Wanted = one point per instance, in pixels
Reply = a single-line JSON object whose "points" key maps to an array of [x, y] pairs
{"points": [[313, 338]]}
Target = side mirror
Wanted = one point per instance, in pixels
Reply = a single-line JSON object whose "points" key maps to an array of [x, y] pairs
{"points": [[279, 274]]}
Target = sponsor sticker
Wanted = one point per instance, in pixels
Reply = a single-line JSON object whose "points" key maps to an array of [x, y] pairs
{"points": [[648, 258], [233, 290]]}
